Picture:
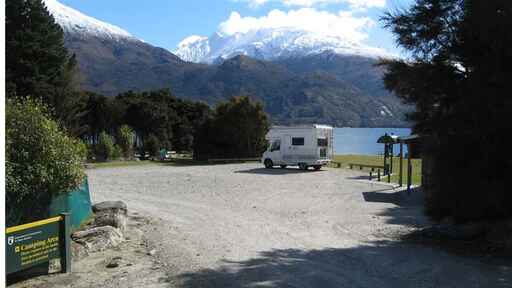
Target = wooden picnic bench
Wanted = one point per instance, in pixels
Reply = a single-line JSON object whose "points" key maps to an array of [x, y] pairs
{"points": [[372, 167], [361, 166]]}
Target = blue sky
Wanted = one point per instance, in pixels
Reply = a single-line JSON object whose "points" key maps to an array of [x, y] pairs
{"points": [[165, 23]]}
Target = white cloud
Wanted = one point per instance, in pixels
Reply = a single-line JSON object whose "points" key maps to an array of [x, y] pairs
{"points": [[355, 4], [342, 24]]}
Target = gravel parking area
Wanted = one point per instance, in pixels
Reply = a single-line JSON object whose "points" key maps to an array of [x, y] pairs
{"points": [[240, 225]]}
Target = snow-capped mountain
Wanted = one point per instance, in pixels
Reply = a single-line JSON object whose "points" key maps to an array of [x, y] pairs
{"points": [[77, 23], [318, 86], [111, 60], [269, 44]]}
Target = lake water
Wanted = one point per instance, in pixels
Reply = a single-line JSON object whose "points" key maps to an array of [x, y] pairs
{"points": [[363, 140]]}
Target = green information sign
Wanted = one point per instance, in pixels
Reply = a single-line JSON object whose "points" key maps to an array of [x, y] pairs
{"points": [[35, 243]]}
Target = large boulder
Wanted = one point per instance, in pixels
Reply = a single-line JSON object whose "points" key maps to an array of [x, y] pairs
{"points": [[111, 213], [98, 238]]}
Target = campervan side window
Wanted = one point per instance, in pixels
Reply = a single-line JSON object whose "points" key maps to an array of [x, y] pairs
{"points": [[298, 141], [322, 142], [276, 146]]}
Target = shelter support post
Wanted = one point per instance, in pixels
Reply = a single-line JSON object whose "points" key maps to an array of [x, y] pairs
{"points": [[385, 158], [409, 172], [400, 175], [391, 159]]}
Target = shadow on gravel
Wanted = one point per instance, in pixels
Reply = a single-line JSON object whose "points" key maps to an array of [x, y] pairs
{"points": [[381, 197], [408, 209], [397, 197], [277, 171], [363, 177], [384, 264]]}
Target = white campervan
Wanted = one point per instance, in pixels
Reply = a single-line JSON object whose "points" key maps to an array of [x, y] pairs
{"points": [[304, 146]]}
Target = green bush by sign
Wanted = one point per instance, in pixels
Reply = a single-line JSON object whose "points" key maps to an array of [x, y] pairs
{"points": [[42, 161]]}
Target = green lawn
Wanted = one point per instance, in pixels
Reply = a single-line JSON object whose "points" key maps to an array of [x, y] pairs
{"points": [[120, 164], [379, 160]]}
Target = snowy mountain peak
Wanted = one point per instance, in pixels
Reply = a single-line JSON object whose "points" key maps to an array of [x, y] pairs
{"points": [[190, 40], [194, 48], [270, 44], [73, 21]]}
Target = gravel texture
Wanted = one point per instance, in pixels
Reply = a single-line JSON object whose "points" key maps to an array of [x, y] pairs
{"points": [[240, 225]]}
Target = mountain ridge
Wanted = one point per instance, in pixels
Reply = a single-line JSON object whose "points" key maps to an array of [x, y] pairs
{"points": [[300, 89], [74, 21], [270, 44]]}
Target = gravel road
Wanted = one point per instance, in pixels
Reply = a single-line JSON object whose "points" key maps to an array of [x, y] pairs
{"points": [[240, 225]]}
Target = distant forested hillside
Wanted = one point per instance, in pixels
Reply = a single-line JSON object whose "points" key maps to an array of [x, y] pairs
{"points": [[326, 88]]}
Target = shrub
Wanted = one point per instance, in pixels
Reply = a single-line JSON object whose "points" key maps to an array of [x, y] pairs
{"points": [[125, 140], [152, 145], [41, 161], [116, 152], [105, 147], [90, 151]]}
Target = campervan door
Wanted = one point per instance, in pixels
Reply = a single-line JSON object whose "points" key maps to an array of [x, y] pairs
{"points": [[297, 146]]}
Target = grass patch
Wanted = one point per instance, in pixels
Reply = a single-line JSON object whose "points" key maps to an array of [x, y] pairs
{"points": [[175, 161], [120, 164], [379, 160]]}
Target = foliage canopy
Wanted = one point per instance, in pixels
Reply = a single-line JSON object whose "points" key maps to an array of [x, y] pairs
{"points": [[458, 78], [236, 130]]}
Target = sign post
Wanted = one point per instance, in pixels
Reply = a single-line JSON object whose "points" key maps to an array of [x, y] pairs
{"points": [[65, 232], [38, 242]]}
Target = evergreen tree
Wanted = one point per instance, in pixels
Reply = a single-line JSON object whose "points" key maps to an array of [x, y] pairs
{"points": [[457, 76], [99, 116], [37, 63], [236, 130]]}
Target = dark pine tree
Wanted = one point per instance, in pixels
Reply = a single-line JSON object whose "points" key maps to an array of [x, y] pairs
{"points": [[458, 76], [37, 63]]}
